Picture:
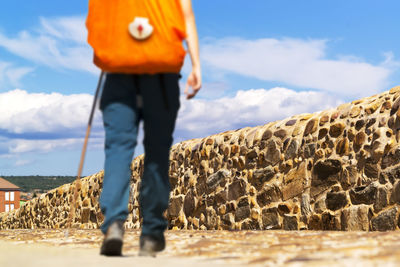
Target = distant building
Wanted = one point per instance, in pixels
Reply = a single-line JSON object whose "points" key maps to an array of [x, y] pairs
{"points": [[9, 196], [25, 196]]}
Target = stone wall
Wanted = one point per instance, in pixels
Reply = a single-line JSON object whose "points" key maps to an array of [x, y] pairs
{"points": [[334, 170], [51, 210]]}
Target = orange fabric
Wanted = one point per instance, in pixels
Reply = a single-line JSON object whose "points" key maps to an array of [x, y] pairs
{"points": [[115, 50]]}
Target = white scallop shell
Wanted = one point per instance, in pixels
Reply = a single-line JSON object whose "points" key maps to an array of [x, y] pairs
{"points": [[140, 28]]}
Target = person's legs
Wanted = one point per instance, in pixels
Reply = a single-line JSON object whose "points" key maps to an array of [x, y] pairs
{"points": [[159, 114], [120, 119]]}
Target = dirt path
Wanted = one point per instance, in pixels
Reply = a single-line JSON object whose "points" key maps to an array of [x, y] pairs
{"points": [[39, 255], [204, 248]]}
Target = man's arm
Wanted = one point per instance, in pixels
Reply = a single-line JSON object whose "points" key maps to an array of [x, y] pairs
{"points": [[194, 79]]}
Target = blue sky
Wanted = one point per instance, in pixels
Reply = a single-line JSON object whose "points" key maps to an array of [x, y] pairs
{"points": [[262, 61]]}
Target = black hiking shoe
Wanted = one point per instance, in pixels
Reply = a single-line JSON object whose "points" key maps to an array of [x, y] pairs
{"points": [[112, 243], [150, 245]]}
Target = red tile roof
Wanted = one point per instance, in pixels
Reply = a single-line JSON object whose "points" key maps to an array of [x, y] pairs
{"points": [[4, 184]]}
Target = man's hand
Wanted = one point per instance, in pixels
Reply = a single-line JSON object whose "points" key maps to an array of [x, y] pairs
{"points": [[193, 81]]}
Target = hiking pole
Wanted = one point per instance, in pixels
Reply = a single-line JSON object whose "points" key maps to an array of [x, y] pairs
{"points": [[78, 177]]}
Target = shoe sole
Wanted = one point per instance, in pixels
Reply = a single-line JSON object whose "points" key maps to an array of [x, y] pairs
{"points": [[112, 247], [145, 253]]}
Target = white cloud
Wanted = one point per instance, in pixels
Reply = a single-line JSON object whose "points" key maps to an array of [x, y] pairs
{"points": [[14, 75], [390, 61], [58, 43], [24, 146], [41, 123], [23, 162], [22, 112], [68, 28], [296, 62], [16, 147], [210, 90], [11, 75], [200, 118]]}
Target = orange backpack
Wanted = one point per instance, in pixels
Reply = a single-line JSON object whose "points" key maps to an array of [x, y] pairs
{"points": [[137, 36]]}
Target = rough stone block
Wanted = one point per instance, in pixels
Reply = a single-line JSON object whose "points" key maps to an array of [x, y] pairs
{"points": [[93, 217], [237, 189], [292, 150], [391, 159], [309, 150], [211, 219], [315, 222], [201, 185], [360, 136], [290, 222], [325, 174], [175, 206], [336, 129], [395, 197], [189, 204], [305, 205], [269, 194], [311, 127], [284, 208], [291, 122], [349, 177], [330, 221], [267, 134], [342, 147], [85, 215], [220, 198], [355, 218], [364, 194], [273, 154], [325, 169], [292, 189], [281, 133], [214, 179], [324, 119], [336, 200], [249, 224], [385, 221], [243, 209], [260, 176], [381, 200], [322, 133], [227, 221], [270, 219], [294, 182]]}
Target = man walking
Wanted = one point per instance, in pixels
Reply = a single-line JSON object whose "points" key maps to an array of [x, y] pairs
{"points": [[128, 98]]}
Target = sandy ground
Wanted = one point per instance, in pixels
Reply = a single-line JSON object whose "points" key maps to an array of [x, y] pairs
{"points": [[204, 248], [39, 255]]}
